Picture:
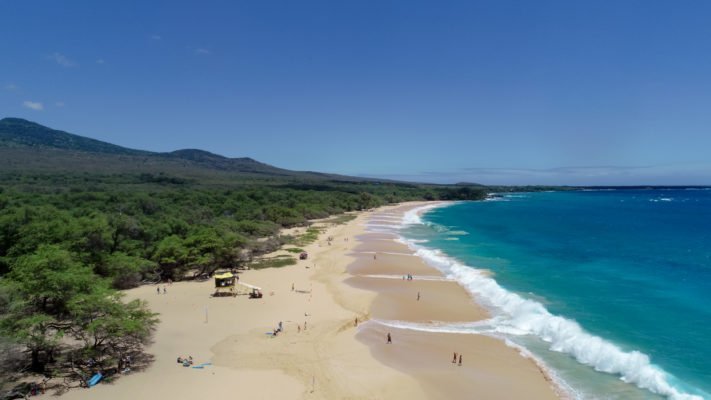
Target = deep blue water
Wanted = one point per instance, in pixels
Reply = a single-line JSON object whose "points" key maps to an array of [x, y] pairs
{"points": [[630, 267]]}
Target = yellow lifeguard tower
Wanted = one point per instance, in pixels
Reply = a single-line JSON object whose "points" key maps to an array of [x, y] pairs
{"points": [[225, 285]]}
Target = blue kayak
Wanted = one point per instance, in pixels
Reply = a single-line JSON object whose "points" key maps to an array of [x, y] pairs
{"points": [[94, 379]]}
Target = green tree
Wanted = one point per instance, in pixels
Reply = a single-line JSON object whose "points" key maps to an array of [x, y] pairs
{"points": [[125, 271], [107, 326], [48, 295], [39, 288], [172, 256]]}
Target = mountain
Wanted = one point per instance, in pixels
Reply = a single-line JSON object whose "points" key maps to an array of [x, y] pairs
{"points": [[26, 146], [17, 132]]}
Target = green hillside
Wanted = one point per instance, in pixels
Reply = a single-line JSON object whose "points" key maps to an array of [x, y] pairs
{"points": [[27, 147], [17, 132]]}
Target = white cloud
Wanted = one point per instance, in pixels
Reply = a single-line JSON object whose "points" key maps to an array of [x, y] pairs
{"points": [[59, 104], [33, 105], [156, 37], [11, 86], [101, 61], [63, 60], [203, 52]]}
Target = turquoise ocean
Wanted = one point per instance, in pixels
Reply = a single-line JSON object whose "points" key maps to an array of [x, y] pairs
{"points": [[609, 290]]}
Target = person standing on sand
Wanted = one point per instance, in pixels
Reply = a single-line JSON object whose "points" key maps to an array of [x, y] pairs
{"points": [[418, 296], [390, 339], [292, 287], [454, 359], [460, 360], [356, 321], [165, 291], [158, 290]]}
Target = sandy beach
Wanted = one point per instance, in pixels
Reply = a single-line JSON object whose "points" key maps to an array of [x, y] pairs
{"points": [[321, 353]]}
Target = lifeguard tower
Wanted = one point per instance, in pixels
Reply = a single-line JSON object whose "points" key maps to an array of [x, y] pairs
{"points": [[225, 285]]}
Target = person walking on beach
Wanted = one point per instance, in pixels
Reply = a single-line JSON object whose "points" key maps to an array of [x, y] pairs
{"points": [[418, 296], [356, 321], [165, 291], [292, 287], [460, 360], [454, 359], [158, 290], [390, 339]]}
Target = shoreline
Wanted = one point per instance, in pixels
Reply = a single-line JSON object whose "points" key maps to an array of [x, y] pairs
{"points": [[627, 379], [430, 297], [320, 353]]}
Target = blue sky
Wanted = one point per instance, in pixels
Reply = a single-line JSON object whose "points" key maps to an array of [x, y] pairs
{"points": [[511, 92]]}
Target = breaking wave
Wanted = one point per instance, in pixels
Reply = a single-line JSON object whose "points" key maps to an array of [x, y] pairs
{"points": [[516, 315]]}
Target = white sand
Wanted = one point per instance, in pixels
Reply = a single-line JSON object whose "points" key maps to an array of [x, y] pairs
{"points": [[324, 361]]}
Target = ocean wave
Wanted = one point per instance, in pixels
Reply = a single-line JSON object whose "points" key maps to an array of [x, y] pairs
{"points": [[412, 217], [519, 316]]}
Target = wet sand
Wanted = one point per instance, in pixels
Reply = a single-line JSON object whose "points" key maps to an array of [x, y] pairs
{"points": [[490, 368]]}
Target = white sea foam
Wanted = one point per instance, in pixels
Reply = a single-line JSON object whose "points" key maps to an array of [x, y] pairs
{"points": [[412, 217], [496, 199], [516, 315], [419, 240]]}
